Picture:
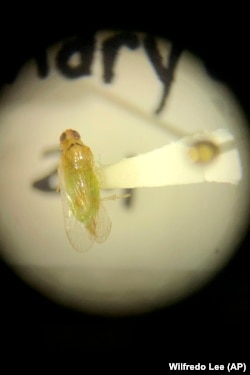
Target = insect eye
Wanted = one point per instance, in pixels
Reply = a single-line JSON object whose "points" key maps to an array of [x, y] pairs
{"points": [[75, 134], [63, 137]]}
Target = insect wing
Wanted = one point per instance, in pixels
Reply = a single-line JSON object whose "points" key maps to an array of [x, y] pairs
{"points": [[79, 236], [102, 225], [77, 233]]}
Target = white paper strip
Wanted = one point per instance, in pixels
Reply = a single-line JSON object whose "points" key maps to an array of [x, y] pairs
{"points": [[171, 165]]}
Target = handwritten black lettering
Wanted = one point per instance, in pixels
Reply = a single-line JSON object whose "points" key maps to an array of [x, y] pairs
{"points": [[111, 48], [128, 201], [164, 73], [85, 48], [44, 183]]}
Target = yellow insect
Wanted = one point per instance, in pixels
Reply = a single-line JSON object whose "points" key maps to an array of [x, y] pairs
{"points": [[86, 219]]}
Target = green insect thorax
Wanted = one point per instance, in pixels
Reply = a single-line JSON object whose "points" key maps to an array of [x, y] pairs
{"points": [[82, 185]]}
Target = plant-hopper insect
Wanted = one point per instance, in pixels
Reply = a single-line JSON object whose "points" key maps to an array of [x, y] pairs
{"points": [[86, 219]]}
